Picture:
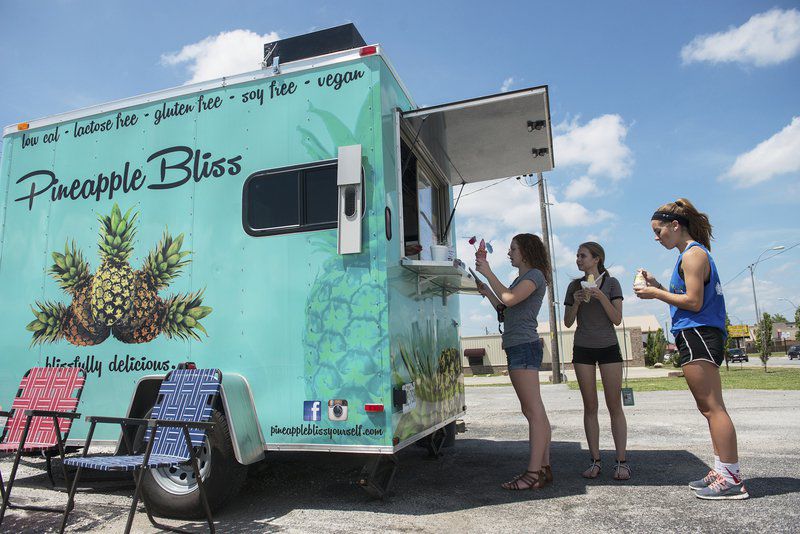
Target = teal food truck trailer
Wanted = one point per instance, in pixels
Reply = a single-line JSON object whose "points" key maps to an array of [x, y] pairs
{"points": [[276, 225]]}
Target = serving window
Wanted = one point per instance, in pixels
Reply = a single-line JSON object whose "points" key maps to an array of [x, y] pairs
{"points": [[425, 203], [291, 199]]}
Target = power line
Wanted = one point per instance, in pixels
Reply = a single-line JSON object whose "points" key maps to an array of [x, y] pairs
{"points": [[787, 249]]}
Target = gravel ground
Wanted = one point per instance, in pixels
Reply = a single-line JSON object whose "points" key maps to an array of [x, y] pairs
{"points": [[668, 443]]}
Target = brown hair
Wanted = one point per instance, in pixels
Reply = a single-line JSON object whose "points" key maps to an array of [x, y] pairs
{"points": [[597, 252], [699, 227], [533, 252]]}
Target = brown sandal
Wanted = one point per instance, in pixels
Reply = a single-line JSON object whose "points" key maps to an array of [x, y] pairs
{"points": [[533, 480]]}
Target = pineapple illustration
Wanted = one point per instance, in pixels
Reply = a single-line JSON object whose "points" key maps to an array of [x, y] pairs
{"points": [[55, 322], [346, 303], [72, 273], [163, 264], [146, 330], [112, 285], [182, 314], [116, 299]]}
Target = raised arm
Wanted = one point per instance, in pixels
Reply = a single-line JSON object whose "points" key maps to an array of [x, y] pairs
{"points": [[507, 296]]}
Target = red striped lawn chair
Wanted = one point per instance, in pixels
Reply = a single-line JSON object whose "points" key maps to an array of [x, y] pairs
{"points": [[39, 422]]}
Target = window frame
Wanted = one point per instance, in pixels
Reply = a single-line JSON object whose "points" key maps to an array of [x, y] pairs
{"points": [[301, 200]]}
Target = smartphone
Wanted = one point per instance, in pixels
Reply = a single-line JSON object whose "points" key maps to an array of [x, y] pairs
{"points": [[478, 282]]}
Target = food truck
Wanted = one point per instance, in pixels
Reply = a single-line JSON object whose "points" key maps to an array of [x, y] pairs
{"points": [[276, 225]]}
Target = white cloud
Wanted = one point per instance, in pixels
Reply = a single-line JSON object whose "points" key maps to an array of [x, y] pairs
{"points": [[617, 271], [581, 187], [766, 39], [574, 214], [507, 83], [780, 154], [225, 54], [599, 144]]}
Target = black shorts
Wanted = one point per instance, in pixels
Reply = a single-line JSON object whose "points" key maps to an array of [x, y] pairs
{"points": [[588, 356], [701, 343]]}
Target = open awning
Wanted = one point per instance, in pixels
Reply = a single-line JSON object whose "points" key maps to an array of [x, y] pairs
{"points": [[497, 136]]}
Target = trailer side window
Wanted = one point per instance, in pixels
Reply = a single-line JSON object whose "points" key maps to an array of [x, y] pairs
{"points": [[294, 199]]}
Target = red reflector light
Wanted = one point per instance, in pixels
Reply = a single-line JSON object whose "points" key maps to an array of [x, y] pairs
{"points": [[368, 51], [373, 407]]}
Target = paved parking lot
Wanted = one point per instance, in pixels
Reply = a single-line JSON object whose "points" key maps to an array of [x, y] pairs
{"points": [[460, 491]]}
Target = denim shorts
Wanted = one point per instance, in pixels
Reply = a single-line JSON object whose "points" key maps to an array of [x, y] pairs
{"points": [[525, 356]]}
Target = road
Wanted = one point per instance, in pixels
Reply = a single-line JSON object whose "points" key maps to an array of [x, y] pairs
{"points": [[668, 446]]}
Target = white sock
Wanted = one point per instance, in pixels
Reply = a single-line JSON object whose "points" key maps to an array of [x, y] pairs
{"points": [[730, 472], [717, 464]]}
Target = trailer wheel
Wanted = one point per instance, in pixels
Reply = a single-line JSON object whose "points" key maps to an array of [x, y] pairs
{"points": [[173, 492]]}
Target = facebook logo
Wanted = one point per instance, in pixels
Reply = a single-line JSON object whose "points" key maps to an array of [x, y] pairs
{"points": [[311, 411]]}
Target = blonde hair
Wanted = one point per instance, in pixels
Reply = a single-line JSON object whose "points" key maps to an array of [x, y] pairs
{"points": [[698, 227]]}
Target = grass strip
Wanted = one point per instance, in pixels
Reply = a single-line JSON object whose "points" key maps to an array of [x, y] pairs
{"points": [[779, 378]]}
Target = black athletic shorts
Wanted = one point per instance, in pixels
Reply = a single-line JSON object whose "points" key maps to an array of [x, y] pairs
{"points": [[701, 343], [600, 356]]}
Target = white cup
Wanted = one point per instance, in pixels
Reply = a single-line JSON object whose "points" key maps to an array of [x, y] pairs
{"points": [[440, 252]]}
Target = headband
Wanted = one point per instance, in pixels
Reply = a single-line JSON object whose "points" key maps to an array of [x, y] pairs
{"points": [[667, 216]]}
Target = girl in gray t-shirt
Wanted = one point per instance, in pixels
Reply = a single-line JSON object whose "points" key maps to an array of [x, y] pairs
{"points": [[597, 310], [521, 302]]}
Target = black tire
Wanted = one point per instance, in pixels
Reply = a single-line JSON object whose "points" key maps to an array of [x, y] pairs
{"points": [[172, 493]]}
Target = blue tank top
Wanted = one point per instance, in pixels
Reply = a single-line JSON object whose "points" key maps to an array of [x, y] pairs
{"points": [[713, 311]]}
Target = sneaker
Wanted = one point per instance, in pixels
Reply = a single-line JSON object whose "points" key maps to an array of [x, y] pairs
{"points": [[705, 481], [722, 489]]}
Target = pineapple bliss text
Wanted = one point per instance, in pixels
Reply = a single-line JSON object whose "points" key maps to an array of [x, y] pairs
{"points": [[175, 166]]}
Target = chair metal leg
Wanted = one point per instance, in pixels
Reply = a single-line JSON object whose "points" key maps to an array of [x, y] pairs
{"points": [[3, 495], [70, 499], [203, 498], [7, 493], [135, 501], [50, 470]]}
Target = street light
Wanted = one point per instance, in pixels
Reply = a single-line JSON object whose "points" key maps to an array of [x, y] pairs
{"points": [[789, 301], [752, 267]]}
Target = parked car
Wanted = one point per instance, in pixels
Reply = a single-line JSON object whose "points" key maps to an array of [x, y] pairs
{"points": [[794, 352], [737, 355]]}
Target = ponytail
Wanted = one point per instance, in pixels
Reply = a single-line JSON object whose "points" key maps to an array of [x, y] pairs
{"points": [[696, 223]]}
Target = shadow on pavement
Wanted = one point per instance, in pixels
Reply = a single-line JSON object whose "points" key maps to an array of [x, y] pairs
{"points": [[467, 476]]}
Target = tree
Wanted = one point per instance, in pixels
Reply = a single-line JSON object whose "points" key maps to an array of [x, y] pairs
{"points": [[797, 317], [763, 338], [779, 318], [655, 348]]}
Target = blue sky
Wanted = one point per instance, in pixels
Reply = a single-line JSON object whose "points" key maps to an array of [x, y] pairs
{"points": [[649, 101]]}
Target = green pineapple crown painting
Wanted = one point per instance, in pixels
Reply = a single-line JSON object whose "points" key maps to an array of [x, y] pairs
{"points": [[115, 299]]}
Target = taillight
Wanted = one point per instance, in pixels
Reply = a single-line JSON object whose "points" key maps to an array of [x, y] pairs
{"points": [[373, 407]]}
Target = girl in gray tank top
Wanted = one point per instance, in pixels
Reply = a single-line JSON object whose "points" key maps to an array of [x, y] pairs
{"points": [[598, 308], [521, 302]]}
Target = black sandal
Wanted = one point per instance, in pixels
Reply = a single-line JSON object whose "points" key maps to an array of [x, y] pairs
{"points": [[622, 464], [595, 463], [533, 479]]}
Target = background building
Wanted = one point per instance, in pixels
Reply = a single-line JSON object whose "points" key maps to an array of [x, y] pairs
{"points": [[484, 354]]}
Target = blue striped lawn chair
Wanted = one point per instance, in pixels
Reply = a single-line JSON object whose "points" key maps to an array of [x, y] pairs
{"points": [[180, 416]]}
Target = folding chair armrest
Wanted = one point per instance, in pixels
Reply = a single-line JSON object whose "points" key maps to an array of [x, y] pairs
{"points": [[51, 413], [206, 425], [117, 420]]}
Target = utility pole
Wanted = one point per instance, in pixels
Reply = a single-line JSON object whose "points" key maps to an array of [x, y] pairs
{"points": [[755, 303], [551, 295]]}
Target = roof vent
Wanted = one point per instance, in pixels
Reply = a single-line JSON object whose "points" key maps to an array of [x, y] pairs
{"points": [[344, 37]]}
